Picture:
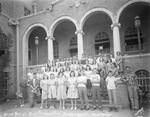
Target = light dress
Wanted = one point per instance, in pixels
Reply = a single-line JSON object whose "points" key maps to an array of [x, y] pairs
{"points": [[52, 88], [72, 90], [61, 89], [44, 87]]}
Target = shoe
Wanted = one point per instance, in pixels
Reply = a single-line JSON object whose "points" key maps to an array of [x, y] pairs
{"points": [[100, 108], [94, 108], [59, 108], [82, 108], [87, 108], [116, 109], [63, 108], [41, 108], [71, 108], [75, 108], [110, 109], [31, 106], [21, 105]]}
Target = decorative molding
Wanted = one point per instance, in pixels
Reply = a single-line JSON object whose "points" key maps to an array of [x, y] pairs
{"points": [[50, 37], [13, 22], [48, 8], [78, 3], [79, 31], [135, 56], [115, 24]]}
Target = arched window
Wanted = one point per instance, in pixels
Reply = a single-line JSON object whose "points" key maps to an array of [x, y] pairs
{"points": [[131, 40], [73, 46], [102, 43], [143, 78], [55, 49]]}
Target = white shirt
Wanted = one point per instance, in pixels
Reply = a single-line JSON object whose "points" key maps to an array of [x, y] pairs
{"points": [[111, 82], [30, 75], [81, 79], [95, 78]]}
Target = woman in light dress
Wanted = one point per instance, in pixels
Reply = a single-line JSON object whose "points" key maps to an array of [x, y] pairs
{"points": [[72, 90], [118, 59], [52, 90], [61, 90], [44, 87]]}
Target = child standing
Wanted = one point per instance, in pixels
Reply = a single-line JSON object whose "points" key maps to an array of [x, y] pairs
{"points": [[61, 90], [72, 90], [95, 80], [44, 87], [82, 80], [52, 90], [111, 87]]}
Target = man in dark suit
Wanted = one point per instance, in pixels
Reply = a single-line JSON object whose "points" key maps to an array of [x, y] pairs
{"points": [[34, 85]]}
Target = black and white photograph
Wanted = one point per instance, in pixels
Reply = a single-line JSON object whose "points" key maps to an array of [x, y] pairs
{"points": [[74, 58]]}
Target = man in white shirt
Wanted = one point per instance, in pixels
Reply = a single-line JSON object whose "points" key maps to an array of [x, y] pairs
{"points": [[82, 80], [95, 80]]}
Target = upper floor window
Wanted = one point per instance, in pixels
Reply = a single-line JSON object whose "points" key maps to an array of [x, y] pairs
{"points": [[55, 49], [26, 11], [131, 40], [102, 43], [73, 46]]}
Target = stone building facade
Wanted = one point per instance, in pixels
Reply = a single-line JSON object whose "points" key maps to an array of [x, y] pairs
{"points": [[73, 27]]}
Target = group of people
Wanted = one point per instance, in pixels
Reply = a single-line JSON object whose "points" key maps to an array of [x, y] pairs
{"points": [[83, 79]]}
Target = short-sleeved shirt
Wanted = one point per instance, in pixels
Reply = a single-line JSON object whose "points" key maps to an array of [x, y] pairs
{"points": [[30, 75], [131, 78], [111, 82], [81, 79], [95, 78]]}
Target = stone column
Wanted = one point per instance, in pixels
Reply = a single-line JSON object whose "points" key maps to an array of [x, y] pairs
{"points": [[50, 47], [80, 34], [116, 37], [16, 24]]}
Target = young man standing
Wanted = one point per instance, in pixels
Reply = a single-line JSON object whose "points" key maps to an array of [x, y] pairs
{"points": [[95, 80], [34, 85]]}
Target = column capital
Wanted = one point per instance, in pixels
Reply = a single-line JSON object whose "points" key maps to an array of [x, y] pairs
{"points": [[115, 24], [79, 31], [13, 22], [50, 37]]}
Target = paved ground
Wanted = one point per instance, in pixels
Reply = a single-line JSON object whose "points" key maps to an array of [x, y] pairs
{"points": [[8, 109]]}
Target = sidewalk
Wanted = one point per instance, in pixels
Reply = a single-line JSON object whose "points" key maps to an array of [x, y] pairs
{"points": [[8, 109]]}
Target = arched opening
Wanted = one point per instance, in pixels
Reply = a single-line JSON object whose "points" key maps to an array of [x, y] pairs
{"points": [[63, 33], [98, 34], [143, 78], [37, 53], [129, 33]]}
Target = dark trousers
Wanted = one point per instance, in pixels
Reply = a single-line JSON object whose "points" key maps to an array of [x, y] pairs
{"points": [[32, 98]]}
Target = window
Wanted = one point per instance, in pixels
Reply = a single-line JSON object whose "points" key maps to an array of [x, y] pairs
{"points": [[55, 49], [131, 40], [102, 43], [29, 52], [143, 78], [26, 11], [73, 46]]}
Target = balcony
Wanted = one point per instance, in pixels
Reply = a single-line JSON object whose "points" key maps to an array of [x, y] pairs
{"points": [[135, 48]]}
